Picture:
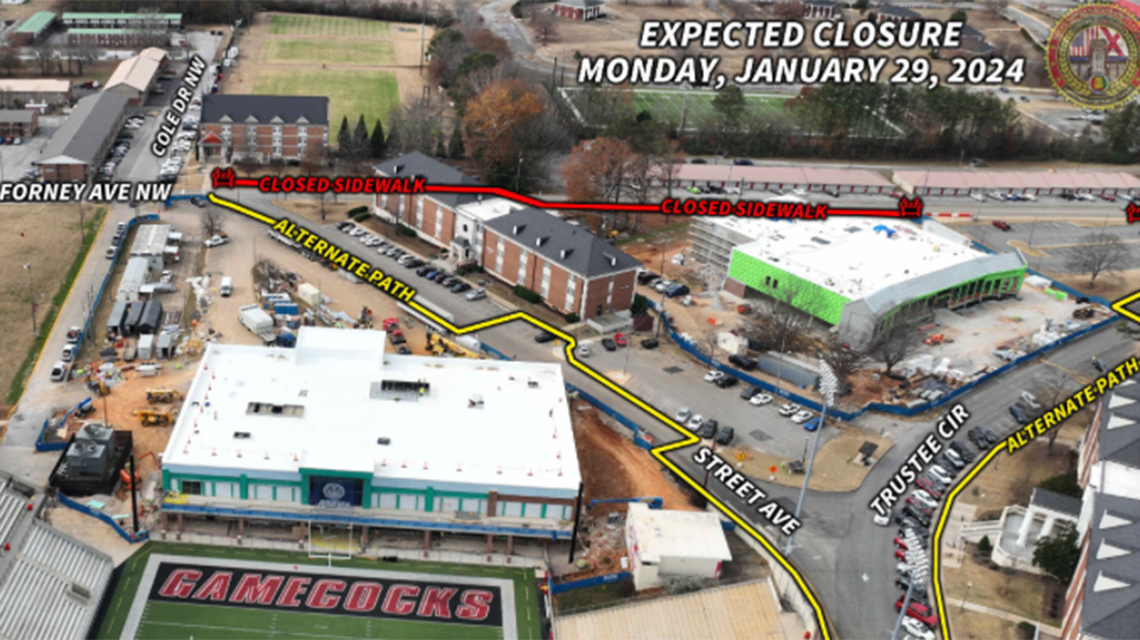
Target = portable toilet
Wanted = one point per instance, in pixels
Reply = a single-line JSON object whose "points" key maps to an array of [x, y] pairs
{"points": [[164, 346], [146, 346]]}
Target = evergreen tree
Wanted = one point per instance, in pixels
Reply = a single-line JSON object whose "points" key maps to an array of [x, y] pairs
{"points": [[394, 145], [360, 135], [377, 142], [455, 148], [440, 149], [344, 139]]}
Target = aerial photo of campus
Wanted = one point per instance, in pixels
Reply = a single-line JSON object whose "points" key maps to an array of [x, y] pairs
{"points": [[570, 319]]}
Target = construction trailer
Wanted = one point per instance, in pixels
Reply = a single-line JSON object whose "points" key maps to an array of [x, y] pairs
{"points": [[118, 315], [130, 324], [134, 277], [146, 346], [151, 319]]}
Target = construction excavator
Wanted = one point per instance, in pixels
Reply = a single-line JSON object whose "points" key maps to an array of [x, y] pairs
{"points": [[165, 396], [441, 346], [149, 418], [97, 386]]}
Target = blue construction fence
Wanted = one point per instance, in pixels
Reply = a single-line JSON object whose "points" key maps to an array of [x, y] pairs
{"points": [[878, 406], [172, 199], [56, 446], [141, 536], [601, 406], [609, 578]]}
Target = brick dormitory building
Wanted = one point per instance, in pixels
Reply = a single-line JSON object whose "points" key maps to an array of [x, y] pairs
{"points": [[261, 128], [573, 270]]}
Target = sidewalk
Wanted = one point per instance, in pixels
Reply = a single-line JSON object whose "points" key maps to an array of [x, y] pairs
{"points": [[951, 603]]}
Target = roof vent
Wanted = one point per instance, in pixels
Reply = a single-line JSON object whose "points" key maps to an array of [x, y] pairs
{"points": [[532, 384], [612, 259], [397, 168], [541, 240], [565, 253], [517, 229], [475, 402], [241, 435]]}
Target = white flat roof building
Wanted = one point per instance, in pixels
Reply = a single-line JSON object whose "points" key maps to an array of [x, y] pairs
{"points": [[852, 257], [663, 544], [463, 431], [150, 240]]}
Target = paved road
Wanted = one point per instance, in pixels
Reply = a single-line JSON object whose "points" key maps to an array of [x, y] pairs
{"points": [[1052, 239], [848, 559]]}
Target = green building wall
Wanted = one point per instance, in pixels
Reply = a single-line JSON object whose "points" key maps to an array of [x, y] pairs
{"points": [[761, 276]]}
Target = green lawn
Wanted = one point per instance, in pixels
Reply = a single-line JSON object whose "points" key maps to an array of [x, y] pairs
{"points": [[669, 105], [325, 26], [351, 92], [371, 52], [173, 620]]}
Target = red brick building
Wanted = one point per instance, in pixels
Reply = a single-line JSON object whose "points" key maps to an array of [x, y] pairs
{"points": [[572, 270], [580, 9], [261, 128]]}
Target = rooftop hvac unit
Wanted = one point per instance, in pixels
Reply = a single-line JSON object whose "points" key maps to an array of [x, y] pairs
{"points": [[88, 457], [98, 433]]}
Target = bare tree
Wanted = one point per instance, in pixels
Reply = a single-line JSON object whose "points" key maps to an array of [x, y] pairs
{"points": [[843, 359], [666, 166], [212, 221], [995, 7], [84, 54], [1050, 389], [10, 60], [1097, 253], [417, 126], [545, 25], [322, 199], [782, 323], [709, 342], [895, 344]]}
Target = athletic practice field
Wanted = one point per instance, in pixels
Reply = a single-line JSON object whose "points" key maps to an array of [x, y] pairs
{"points": [[670, 105], [351, 92], [293, 25], [367, 52], [190, 591]]}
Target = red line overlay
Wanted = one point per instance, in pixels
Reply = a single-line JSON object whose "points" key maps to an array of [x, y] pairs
{"points": [[906, 208]]}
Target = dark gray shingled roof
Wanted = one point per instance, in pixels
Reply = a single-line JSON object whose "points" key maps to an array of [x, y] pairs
{"points": [[85, 130], [567, 245], [1056, 501], [1122, 443], [902, 12], [418, 164], [314, 109], [1112, 611]]}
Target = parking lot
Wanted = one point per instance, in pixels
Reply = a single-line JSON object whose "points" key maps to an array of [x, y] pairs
{"points": [[17, 159], [1046, 243]]}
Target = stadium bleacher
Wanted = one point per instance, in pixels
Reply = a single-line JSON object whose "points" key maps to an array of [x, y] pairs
{"points": [[53, 587], [12, 506]]}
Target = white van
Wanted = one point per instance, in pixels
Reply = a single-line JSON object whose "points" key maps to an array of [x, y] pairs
{"points": [[227, 286]]}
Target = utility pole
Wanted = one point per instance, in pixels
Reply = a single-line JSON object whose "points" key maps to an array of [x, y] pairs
{"points": [[32, 299], [828, 386], [82, 233]]}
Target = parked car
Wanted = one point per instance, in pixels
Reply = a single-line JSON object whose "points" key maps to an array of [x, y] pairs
{"points": [[714, 375], [676, 291], [725, 437], [707, 430], [650, 343], [544, 337], [477, 294], [789, 409], [1099, 366], [696, 421], [812, 425], [683, 414], [694, 189], [59, 371], [608, 344], [742, 162], [921, 497], [727, 381], [110, 253], [881, 520], [620, 340], [646, 277], [583, 351], [748, 392], [936, 473], [1002, 224], [801, 417], [928, 486], [760, 399], [741, 362], [990, 435], [921, 612], [73, 334], [913, 627], [963, 450]]}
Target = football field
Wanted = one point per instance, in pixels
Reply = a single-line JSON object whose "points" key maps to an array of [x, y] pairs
{"points": [[351, 92], [189, 591], [300, 25]]}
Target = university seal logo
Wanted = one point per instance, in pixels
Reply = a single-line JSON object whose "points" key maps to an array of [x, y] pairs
{"points": [[1093, 56]]}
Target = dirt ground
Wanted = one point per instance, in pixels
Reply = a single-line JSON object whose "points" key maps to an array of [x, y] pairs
{"points": [[406, 47], [118, 408], [614, 467], [1024, 596], [1010, 479], [1111, 286], [46, 236], [979, 626], [12, 12], [835, 467], [311, 210]]}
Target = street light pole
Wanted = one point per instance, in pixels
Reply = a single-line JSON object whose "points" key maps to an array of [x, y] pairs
{"points": [[828, 386], [32, 299], [962, 607]]}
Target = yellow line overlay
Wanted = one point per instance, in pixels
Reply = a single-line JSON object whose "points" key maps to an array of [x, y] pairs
{"points": [[822, 620]]}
